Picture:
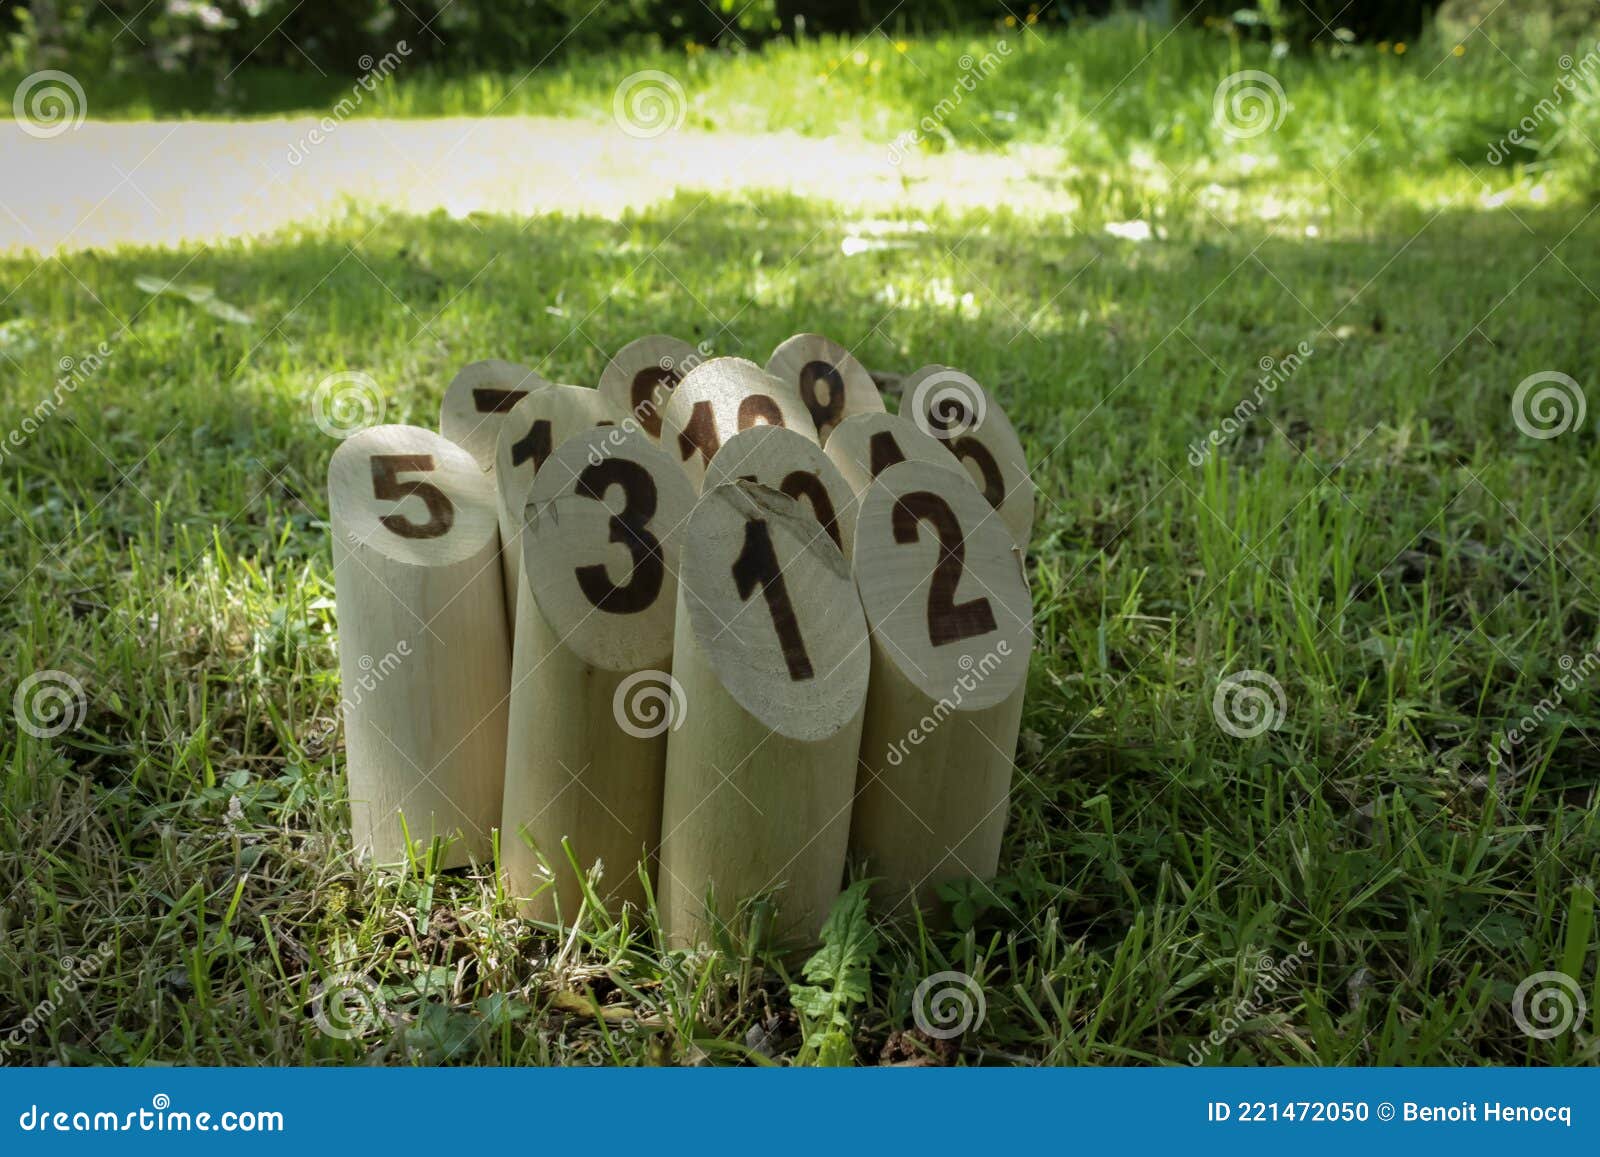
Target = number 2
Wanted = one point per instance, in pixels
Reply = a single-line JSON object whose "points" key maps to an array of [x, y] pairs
{"points": [[948, 620]]}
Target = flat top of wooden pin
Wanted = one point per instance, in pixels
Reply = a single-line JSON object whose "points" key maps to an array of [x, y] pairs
{"points": [[949, 405], [412, 495], [774, 610], [796, 466], [600, 546], [478, 398], [523, 445], [828, 379], [641, 377], [865, 445], [719, 398], [942, 588]]}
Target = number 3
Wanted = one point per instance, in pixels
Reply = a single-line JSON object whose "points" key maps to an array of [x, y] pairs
{"points": [[628, 528]]}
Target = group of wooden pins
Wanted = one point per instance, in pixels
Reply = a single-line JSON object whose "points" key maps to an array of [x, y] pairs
{"points": [[709, 629]]}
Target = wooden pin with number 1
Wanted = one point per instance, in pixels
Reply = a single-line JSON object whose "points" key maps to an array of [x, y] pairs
{"points": [[718, 399], [542, 420], [770, 652]]}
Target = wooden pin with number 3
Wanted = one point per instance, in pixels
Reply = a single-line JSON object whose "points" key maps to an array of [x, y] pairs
{"points": [[591, 700]]}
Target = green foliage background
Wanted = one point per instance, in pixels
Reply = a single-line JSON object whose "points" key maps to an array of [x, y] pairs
{"points": [[220, 35]]}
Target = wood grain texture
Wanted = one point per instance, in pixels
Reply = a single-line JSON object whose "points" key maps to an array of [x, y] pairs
{"points": [[640, 379], [794, 465], [771, 655], [539, 423], [719, 398], [951, 626], [827, 378], [586, 756], [951, 406], [865, 445], [477, 401], [423, 647]]}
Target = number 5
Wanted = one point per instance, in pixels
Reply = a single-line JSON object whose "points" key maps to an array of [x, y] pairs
{"points": [[387, 487]]}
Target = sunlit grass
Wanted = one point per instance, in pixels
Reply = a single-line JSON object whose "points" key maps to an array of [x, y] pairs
{"points": [[1380, 538], [1091, 91]]}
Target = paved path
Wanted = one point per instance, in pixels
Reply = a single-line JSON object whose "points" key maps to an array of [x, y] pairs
{"points": [[171, 183]]}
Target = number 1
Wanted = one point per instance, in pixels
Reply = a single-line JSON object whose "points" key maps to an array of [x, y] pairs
{"points": [[757, 564]]}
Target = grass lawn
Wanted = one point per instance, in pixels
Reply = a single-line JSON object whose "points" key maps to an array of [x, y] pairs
{"points": [[1379, 537]]}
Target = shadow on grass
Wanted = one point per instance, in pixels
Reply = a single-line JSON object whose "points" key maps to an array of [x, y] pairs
{"points": [[1376, 533]]}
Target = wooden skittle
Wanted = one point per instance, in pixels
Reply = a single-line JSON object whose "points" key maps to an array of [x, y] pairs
{"points": [[477, 401], [951, 406], [639, 381], [794, 465], [866, 445], [423, 648], [719, 398], [951, 625], [539, 423], [827, 378], [595, 614], [771, 655]]}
